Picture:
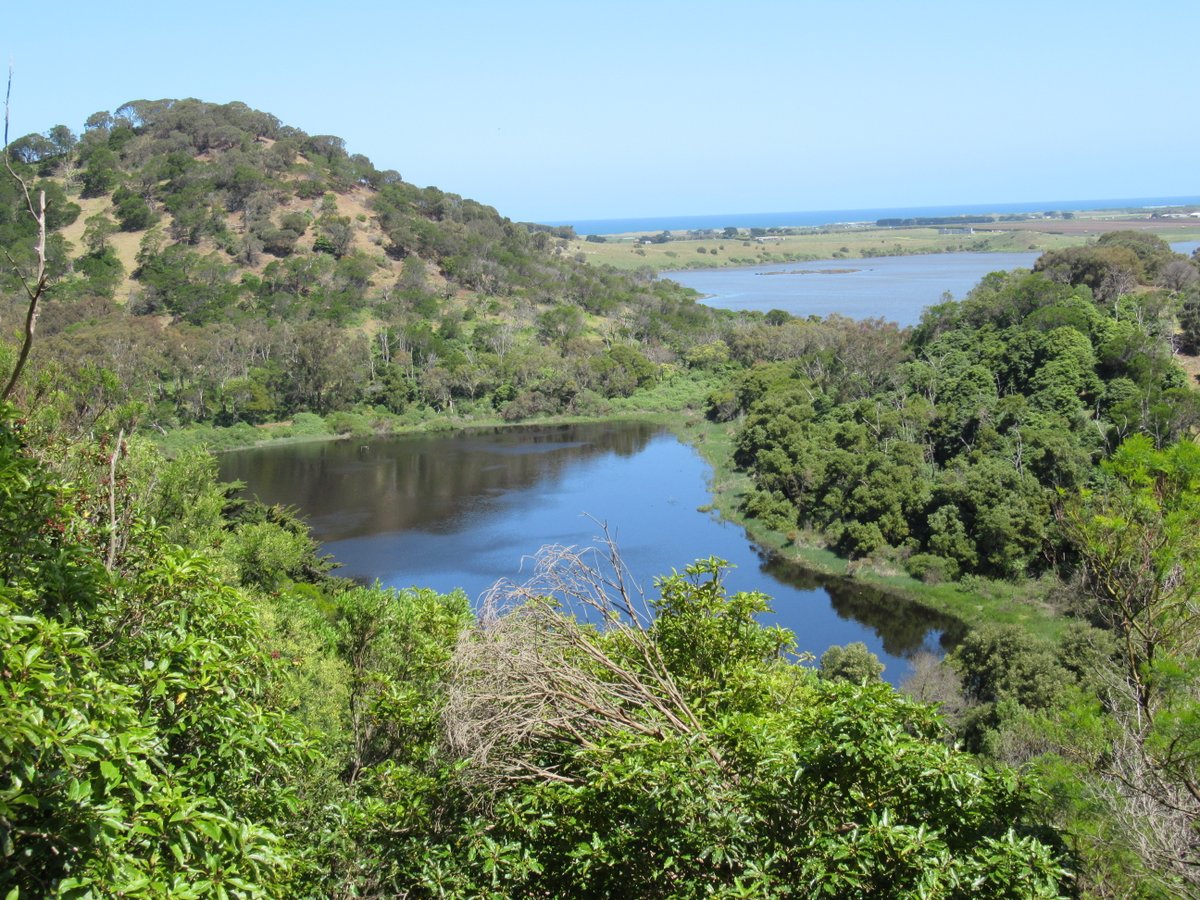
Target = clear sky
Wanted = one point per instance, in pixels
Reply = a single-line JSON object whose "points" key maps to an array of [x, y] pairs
{"points": [[553, 111]]}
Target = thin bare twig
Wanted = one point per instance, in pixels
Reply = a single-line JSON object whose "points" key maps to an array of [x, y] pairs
{"points": [[562, 660], [37, 287], [111, 559]]}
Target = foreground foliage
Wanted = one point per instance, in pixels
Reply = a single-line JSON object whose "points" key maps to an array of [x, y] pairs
{"points": [[203, 721], [142, 750]]}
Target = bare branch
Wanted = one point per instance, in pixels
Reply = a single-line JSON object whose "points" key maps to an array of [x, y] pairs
{"points": [[560, 662], [111, 558], [37, 287]]}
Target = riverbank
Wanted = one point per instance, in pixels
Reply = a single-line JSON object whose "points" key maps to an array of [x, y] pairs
{"points": [[679, 407], [974, 601], [660, 403]]}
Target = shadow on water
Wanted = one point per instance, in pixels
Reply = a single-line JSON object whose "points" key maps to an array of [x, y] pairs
{"points": [[903, 627], [430, 483]]}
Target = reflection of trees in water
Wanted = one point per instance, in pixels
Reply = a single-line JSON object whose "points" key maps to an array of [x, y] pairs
{"points": [[902, 626], [424, 482]]}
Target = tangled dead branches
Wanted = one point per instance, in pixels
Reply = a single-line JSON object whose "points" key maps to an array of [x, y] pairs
{"points": [[557, 663]]}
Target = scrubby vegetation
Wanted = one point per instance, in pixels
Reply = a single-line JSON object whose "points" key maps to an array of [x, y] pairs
{"points": [[229, 269], [204, 712], [950, 445]]}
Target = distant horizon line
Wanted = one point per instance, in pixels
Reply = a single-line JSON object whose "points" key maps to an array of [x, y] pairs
{"points": [[877, 212]]}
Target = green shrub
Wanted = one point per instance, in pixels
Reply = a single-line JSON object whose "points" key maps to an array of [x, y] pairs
{"points": [[931, 568]]}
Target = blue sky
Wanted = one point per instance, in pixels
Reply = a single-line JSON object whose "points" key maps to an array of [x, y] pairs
{"points": [[564, 110]]}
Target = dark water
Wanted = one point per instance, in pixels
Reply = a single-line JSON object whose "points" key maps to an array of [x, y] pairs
{"points": [[811, 218], [895, 288], [464, 510]]}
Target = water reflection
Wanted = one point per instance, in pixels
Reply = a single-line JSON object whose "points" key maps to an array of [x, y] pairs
{"points": [[465, 510], [902, 628], [435, 483]]}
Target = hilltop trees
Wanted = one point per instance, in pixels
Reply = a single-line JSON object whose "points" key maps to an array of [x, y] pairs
{"points": [[243, 221]]}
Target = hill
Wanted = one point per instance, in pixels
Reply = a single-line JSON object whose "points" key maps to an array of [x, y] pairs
{"points": [[210, 264]]}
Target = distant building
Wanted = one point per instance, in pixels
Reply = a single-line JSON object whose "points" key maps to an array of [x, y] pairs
{"points": [[956, 230]]}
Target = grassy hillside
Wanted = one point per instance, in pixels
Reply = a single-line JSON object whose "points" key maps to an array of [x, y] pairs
{"points": [[212, 265]]}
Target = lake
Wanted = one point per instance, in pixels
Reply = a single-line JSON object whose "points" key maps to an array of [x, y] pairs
{"points": [[896, 288], [464, 510]]}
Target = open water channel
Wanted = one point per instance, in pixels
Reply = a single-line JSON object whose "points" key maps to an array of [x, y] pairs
{"points": [[895, 288]]}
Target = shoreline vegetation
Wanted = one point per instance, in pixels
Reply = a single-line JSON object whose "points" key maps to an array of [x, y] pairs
{"points": [[976, 602], [683, 250]]}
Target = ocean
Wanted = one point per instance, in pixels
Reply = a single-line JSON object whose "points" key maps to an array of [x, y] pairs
{"points": [[816, 218]]}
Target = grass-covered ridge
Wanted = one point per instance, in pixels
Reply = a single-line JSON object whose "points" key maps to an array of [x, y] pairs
{"points": [[211, 265]]}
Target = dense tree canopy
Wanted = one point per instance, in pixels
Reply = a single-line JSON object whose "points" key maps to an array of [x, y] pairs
{"points": [[232, 723], [1002, 400]]}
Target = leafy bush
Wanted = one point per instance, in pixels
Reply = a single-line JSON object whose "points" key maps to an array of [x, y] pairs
{"points": [[350, 424], [853, 663], [931, 568], [139, 750], [307, 424], [771, 508]]}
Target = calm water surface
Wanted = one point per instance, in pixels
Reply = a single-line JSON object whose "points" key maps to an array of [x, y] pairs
{"points": [[464, 510], [895, 288]]}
